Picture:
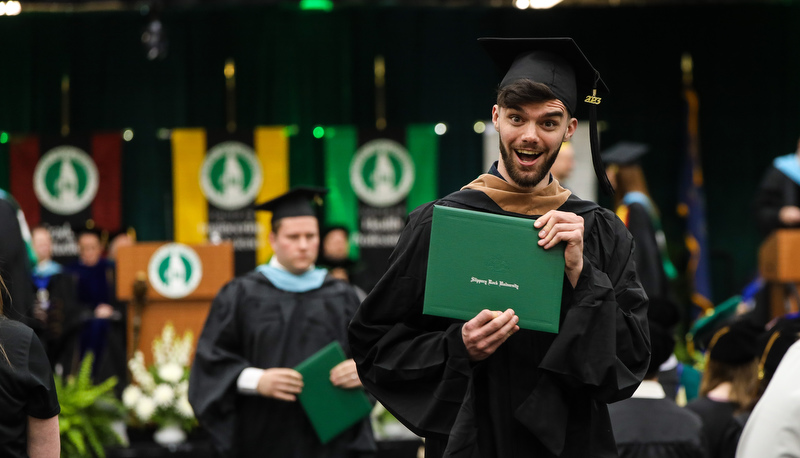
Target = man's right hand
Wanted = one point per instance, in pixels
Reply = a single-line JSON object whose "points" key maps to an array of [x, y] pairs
{"points": [[483, 334], [280, 383]]}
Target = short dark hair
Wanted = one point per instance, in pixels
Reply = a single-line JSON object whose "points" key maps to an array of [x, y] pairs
{"points": [[524, 91], [276, 225]]}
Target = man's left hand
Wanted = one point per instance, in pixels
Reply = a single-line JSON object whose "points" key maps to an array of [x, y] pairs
{"points": [[344, 375], [557, 226]]}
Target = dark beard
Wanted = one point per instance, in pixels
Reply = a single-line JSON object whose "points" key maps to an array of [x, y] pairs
{"points": [[526, 181]]}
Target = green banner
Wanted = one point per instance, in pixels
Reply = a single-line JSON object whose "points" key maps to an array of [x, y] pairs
{"points": [[375, 179]]}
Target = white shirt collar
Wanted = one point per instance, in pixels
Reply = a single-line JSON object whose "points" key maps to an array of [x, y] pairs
{"points": [[650, 389]]}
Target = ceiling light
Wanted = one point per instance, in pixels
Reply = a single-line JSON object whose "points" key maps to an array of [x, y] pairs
{"points": [[543, 4]]}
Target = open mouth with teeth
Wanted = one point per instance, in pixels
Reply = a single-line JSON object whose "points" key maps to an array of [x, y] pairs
{"points": [[527, 158]]}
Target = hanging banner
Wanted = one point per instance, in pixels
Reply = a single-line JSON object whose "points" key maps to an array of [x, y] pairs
{"points": [[217, 180], [63, 182], [375, 179]]}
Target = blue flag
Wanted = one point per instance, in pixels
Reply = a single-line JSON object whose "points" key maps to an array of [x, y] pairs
{"points": [[692, 201]]}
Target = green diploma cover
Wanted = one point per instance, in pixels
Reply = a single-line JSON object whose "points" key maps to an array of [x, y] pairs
{"points": [[482, 261], [331, 409]]}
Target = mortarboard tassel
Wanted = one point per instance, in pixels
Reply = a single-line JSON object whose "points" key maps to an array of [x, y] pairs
{"points": [[594, 140]]}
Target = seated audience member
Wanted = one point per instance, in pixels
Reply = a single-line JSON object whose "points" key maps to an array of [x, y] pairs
{"points": [[103, 328], [121, 239], [651, 425], [728, 385], [28, 399], [54, 304]]}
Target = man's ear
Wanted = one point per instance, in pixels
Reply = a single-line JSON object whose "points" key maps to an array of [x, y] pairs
{"points": [[495, 115], [571, 128]]}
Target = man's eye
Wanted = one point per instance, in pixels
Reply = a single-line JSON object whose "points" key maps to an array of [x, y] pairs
{"points": [[515, 119]]}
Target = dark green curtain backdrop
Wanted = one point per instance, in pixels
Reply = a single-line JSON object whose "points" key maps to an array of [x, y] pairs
{"points": [[309, 68]]}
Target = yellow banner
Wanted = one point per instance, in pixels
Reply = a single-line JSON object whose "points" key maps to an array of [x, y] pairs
{"points": [[272, 149], [190, 207], [189, 151]]}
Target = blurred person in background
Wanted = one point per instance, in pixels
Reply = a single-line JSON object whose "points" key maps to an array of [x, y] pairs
{"points": [[243, 385], [564, 164], [102, 316], [650, 425], [728, 386], [55, 303], [777, 202]]}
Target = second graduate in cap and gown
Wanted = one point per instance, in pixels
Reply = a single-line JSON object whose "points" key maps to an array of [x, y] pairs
{"points": [[539, 394], [273, 317]]}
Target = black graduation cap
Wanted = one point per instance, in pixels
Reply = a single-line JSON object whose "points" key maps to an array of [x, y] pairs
{"points": [[296, 202], [735, 343], [775, 343], [562, 66], [624, 153]]}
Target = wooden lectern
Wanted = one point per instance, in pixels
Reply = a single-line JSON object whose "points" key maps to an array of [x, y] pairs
{"points": [[149, 311], [779, 263]]}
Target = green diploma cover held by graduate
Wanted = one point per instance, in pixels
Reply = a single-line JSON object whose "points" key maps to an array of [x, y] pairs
{"points": [[483, 260], [330, 409]]}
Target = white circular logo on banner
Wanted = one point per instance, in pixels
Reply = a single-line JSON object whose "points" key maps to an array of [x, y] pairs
{"points": [[65, 180], [231, 175], [174, 270], [382, 173]]}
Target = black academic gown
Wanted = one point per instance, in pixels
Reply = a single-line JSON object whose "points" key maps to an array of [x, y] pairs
{"points": [[104, 337], [775, 191], [649, 265], [656, 428], [720, 426], [15, 266], [254, 324], [539, 394]]}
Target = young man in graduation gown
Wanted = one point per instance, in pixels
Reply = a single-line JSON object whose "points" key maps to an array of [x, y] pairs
{"points": [[242, 387], [484, 388]]}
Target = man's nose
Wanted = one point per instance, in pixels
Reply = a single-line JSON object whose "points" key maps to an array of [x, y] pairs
{"points": [[530, 133]]}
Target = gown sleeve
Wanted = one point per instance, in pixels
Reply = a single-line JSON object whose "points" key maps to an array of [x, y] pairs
{"points": [[217, 364], [604, 342], [417, 362]]}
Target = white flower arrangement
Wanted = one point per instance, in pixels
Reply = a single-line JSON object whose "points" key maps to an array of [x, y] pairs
{"points": [[159, 394]]}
